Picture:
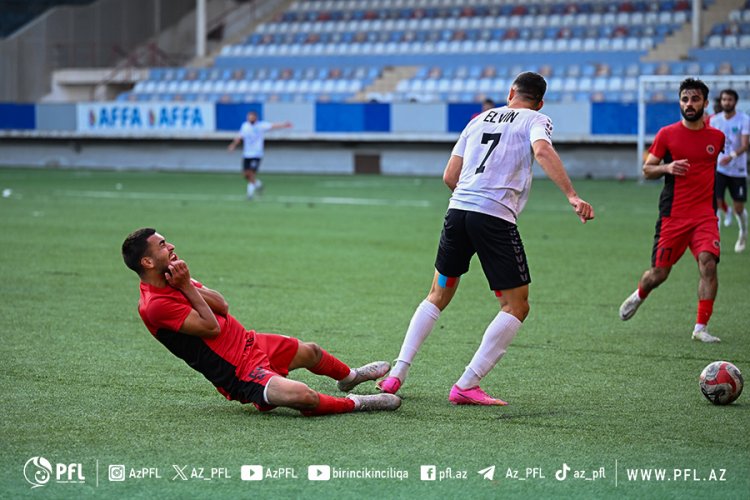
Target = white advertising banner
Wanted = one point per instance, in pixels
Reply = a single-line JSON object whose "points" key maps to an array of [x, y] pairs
{"points": [[118, 118]]}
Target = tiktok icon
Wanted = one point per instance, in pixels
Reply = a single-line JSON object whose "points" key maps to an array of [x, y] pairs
{"points": [[562, 473]]}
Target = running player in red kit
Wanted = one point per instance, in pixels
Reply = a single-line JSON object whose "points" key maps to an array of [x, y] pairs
{"points": [[194, 323], [687, 214]]}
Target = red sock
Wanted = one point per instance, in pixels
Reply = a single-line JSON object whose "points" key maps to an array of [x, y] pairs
{"points": [[328, 405], [331, 367], [705, 308], [641, 293]]}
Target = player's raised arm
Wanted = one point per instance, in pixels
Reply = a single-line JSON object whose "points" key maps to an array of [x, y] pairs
{"points": [[278, 125], [552, 165], [201, 321]]}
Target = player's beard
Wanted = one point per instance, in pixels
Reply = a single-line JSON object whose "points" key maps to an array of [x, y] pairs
{"points": [[164, 269], [697, 116], [164, 266], [728, 109]]}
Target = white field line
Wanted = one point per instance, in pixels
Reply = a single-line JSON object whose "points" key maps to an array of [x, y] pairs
{"points": [[325, 200], [306, 200]]}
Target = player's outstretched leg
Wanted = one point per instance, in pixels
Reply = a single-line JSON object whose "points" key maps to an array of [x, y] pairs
{"points": [[426, 315], [321, 362], [420, 327], [281, 391], [370, 371], [329, 405]]}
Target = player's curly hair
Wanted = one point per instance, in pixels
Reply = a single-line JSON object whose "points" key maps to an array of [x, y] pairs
{"points": [[134, 247], [694, 84]]}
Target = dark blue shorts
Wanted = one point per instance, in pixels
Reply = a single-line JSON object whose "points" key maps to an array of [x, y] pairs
{"points": [[251, 164], [737, 187]]}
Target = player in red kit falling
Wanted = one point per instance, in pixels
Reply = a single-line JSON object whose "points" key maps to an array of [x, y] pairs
{"points": [[194, 323], [687, 215]]}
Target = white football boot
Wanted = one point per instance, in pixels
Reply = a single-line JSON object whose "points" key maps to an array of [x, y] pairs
{"points": [[630, 306], [703, 335], [375, 402]]}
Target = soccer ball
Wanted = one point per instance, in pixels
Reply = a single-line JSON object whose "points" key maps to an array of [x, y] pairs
{"points": [[721, 382]]}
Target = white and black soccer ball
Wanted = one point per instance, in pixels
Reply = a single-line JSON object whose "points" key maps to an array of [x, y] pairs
{"points": [[721, 382]]}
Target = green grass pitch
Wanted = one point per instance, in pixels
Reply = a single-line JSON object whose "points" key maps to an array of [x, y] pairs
{"points": [[343, 261]]}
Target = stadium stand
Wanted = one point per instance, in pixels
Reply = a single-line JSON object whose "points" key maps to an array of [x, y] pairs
{"points": [[446, 51], [396, 75]]}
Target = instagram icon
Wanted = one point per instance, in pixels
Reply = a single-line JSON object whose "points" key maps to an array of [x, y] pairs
{"points": [[116, 473]]}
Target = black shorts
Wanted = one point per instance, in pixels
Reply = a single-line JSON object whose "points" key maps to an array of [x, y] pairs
{"points": [[737, 186], [495, 241], [251, 164]]}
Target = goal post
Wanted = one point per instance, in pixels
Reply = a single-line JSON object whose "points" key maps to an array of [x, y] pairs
{"points": [[668, 86]]}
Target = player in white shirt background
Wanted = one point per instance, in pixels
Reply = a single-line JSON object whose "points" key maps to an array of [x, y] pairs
{"points": [[252, 134], [731, 168], [489, 173]]}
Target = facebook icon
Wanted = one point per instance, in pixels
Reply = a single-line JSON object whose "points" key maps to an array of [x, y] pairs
{"points": [[427, 472]]}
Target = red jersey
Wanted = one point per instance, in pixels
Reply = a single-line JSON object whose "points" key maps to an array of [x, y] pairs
{"points": [[691, 195], [221, 360]]}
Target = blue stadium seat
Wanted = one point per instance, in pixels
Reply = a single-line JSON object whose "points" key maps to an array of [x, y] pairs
{"points": [[325, 32]]}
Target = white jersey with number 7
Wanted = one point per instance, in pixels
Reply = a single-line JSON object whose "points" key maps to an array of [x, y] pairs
{"points": [[496, 150]]}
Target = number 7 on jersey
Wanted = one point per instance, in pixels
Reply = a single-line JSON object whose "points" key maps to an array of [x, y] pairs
{"points": [[494, 139]]}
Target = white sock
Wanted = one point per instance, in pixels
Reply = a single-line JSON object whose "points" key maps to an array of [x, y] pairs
{"points": [[742, 221], [357, 401], [497, 337], [258, 184], [421, 325], [250, 189], [349, 377], [699, 326]]}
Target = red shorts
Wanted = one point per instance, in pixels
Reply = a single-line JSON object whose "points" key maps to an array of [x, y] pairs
{"points": [[675, 234], [269, 356]]}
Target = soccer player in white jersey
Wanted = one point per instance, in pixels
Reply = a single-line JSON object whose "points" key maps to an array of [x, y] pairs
{"points": [[252, 134], [489, 173], [731, 168]]}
